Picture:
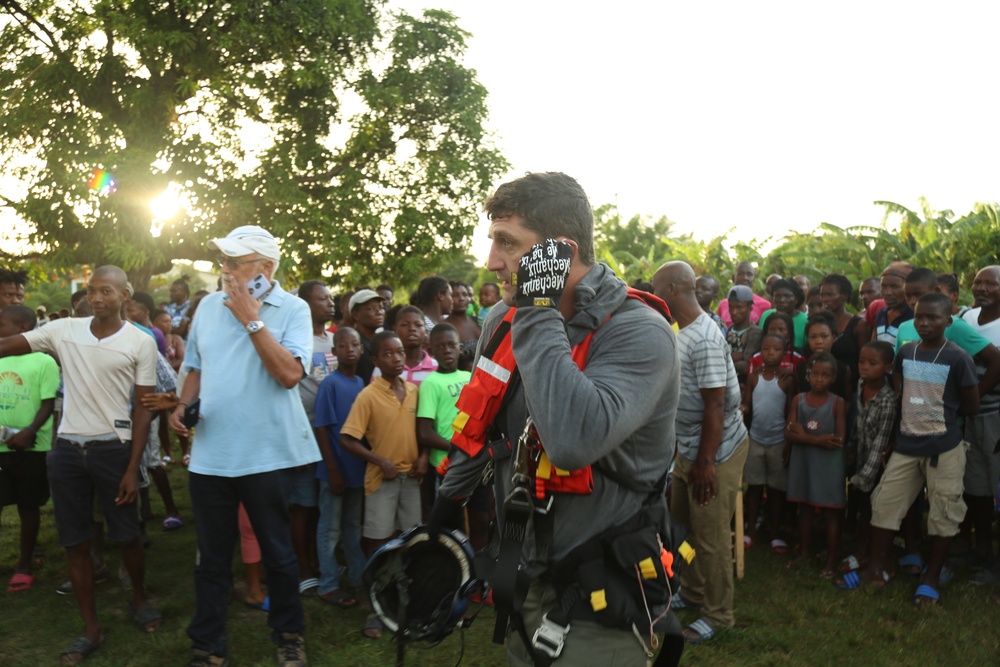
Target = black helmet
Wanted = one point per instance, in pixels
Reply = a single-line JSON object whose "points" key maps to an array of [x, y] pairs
{"points": [[433, 579]]}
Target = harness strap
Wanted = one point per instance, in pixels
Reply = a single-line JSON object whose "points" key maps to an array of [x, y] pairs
{"points": [[510, 584], [558, 617]]}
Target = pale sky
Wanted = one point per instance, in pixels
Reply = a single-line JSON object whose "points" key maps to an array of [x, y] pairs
{"points": [[767, 116]]}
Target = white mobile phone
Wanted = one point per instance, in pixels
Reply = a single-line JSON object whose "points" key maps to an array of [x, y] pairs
{"points": [[258, 285]]}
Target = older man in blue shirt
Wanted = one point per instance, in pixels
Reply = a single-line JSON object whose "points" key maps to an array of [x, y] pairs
{"points": [[247, 350]]}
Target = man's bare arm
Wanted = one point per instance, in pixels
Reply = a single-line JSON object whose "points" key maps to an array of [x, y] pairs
{"points": [[12, 346]]}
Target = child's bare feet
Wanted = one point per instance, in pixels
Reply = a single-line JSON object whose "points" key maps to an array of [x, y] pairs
{"points": [[255, 600]]}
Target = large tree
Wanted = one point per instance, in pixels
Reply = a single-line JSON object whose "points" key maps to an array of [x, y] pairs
{"points": [[356, 136]]}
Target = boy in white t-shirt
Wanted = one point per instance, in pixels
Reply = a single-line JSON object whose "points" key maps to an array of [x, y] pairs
{"points": [[100, 442]]}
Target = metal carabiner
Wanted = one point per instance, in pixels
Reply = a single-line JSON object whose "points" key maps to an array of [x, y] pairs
{"points": [[522, 470]]}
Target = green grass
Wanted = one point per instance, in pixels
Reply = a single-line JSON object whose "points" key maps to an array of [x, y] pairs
{"points": [[783, 618]]}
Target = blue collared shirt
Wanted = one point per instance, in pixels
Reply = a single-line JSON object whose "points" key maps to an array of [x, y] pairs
{"points": [[250, 423]]}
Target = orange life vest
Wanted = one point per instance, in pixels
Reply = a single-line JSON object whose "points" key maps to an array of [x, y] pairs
{"points": [[481, 399]]}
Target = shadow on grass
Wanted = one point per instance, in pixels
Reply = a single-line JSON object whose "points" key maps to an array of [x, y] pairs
{"points": [[783, 618]]}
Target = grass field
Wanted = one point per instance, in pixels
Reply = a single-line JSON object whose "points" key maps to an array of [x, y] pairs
{"points": [[782, 618]]}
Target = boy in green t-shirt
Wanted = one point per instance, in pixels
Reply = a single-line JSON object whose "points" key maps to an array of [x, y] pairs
{"points": [[436, 411], [438, 394], [28, 385]]}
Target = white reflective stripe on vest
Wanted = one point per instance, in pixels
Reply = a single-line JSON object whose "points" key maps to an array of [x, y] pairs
{"points": [[494, 369]]}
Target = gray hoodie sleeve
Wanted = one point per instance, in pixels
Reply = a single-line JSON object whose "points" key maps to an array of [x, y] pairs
{"points": [[582, 416]]}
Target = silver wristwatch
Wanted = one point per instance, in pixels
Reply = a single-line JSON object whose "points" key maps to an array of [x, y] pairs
{"points": [[254, 326]]}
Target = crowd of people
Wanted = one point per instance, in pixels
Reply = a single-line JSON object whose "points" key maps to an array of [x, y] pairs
{"points": [[316, 428], [899, 400]]}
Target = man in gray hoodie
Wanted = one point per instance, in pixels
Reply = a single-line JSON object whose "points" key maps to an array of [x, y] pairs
{"points": [[611, 413]]}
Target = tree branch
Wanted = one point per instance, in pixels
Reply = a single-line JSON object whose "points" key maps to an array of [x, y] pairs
{"points": [[13, 7], [325, 176]]}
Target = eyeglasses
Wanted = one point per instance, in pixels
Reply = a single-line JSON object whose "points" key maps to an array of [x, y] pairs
{"points": [[234, 264]]}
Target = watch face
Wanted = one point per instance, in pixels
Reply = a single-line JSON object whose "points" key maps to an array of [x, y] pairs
{"points": [[254, 327]]}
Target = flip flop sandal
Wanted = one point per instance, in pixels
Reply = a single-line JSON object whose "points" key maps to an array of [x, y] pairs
{"points": [[340, 598], [747, 542], [779, 547], [911, 564], [81, 646], [20, 582], [144, 617], [926, 595], [853, 580], [308, 586], [678, 603], [848, 582], [372, 628], [702, 629], [260, 606], [172, 523], [850, 564]]}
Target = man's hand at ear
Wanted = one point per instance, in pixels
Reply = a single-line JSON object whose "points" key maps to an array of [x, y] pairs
{"points": [[541, 274]]}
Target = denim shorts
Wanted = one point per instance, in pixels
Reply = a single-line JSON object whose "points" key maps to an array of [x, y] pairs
{"points": [[79, 474], [302, 486]]}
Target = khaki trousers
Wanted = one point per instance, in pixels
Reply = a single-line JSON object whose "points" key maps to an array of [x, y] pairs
{"points": [[708, 580]]}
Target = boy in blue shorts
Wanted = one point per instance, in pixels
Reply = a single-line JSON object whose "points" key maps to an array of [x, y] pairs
{"points": [[28, 387], [936, 383], [341, 475]]}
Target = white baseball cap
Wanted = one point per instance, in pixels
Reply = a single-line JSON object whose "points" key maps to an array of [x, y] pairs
{"points": [[362, 296], [247, 240]]}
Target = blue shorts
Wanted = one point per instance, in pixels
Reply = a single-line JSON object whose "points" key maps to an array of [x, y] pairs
{"points": [[302, 485], [78, 475]]}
